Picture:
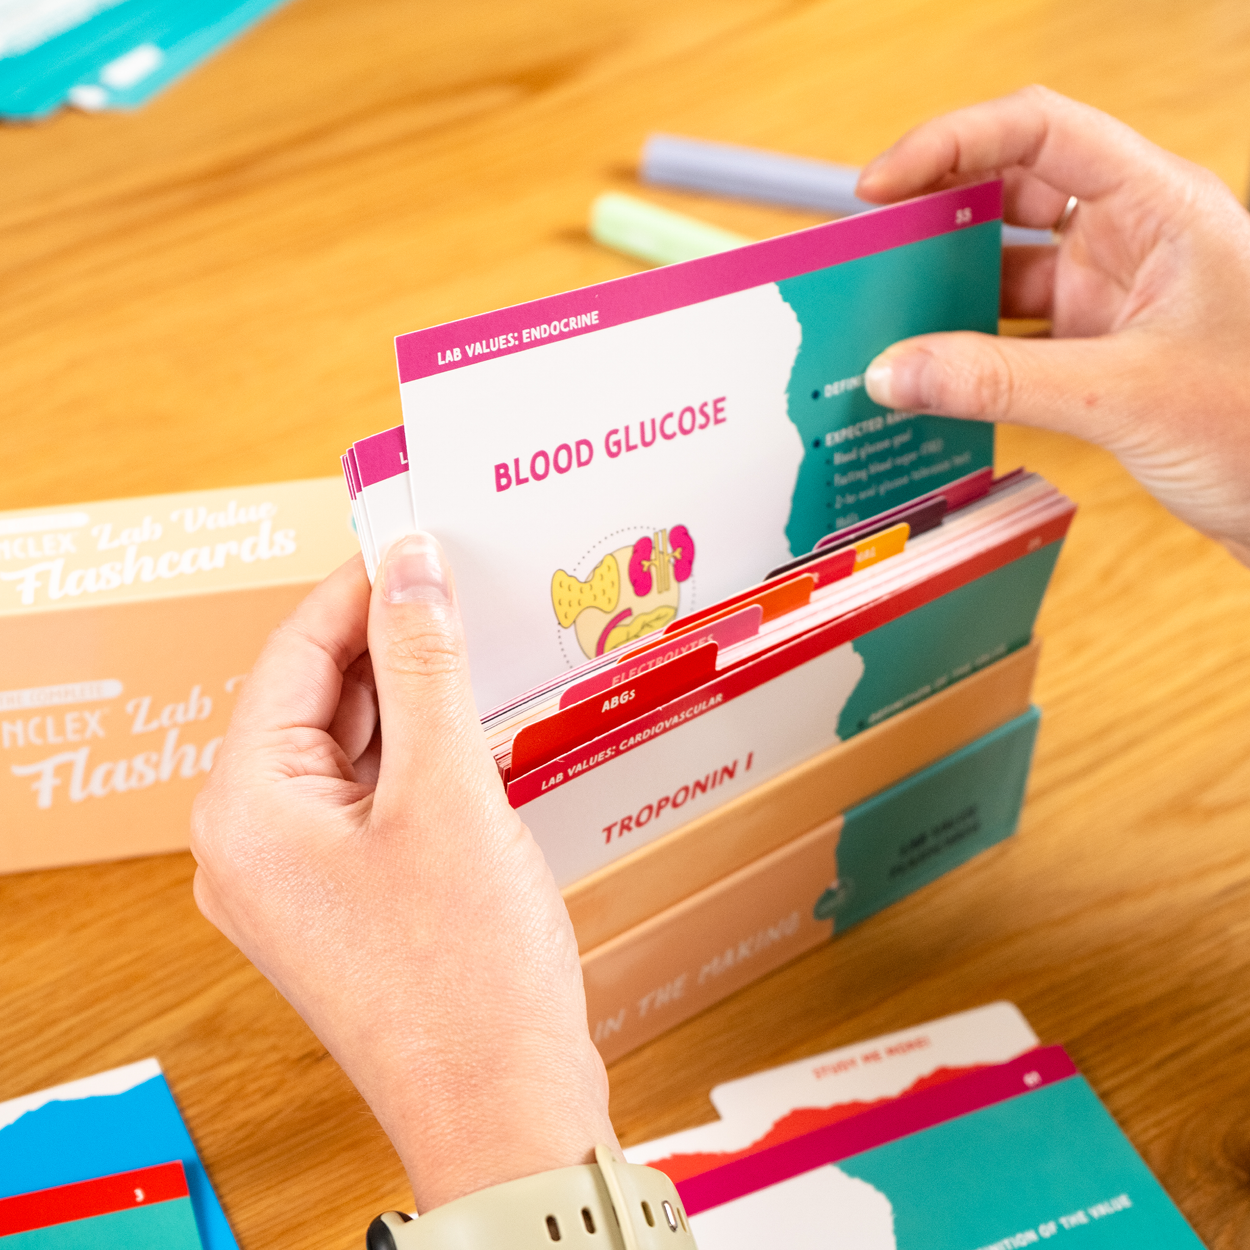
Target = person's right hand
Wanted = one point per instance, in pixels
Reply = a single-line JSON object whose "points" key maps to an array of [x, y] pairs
{"points": [[1148, 294]]}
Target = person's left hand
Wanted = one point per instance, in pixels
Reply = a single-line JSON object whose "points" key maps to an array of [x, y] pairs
{"points": [[355, 842]]}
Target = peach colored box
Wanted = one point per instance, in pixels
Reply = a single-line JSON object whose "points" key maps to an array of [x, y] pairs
{"points": [[687, 957], [125, 629], [711, 847]]}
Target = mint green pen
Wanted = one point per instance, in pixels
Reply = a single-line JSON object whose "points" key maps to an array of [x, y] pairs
{"points": [[655, 235]]}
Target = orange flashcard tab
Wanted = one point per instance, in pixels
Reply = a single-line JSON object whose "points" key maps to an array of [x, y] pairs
{"points": [[881, 546], [548, 739], [776, 601]]}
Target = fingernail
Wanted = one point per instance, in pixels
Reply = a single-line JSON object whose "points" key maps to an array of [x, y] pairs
{"points": [[899, 378], [414, 571], [868, 170], [879, 382]]}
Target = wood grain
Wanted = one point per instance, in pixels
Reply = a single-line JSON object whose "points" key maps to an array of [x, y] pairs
{"points": [[205, 292]]}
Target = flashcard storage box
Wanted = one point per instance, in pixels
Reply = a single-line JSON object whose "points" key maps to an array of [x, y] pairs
{"points": [[125, 629]]}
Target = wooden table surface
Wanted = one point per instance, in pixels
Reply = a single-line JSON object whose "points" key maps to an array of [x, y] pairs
{"points": [[204, 294]]}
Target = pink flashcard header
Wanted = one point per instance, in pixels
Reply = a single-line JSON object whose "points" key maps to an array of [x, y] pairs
{"points": [[381, 456], [522, 326], [876, 1126]]}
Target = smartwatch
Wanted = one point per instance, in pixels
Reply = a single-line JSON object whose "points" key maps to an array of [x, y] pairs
{"points": [[603, 1205]]}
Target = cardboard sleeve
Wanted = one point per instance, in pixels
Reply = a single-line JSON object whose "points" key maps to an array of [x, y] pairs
{"points": [[689, 956], [126, 630], [692, 857]]}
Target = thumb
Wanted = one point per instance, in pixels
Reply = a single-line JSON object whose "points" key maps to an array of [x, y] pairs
{"points": [[433, 748], [1075, 386]]}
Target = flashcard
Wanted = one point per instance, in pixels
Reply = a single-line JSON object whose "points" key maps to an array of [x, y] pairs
{"points": [[588, 719], [145, 1209], [601, 463], [805, 683], [116, 1121], [381, 466], [108, 54], [889, 1066], [781, 1103], [1009, 1156], [734, 627]]}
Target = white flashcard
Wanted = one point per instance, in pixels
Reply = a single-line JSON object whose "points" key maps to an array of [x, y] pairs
{"points": [[867, 1073]]}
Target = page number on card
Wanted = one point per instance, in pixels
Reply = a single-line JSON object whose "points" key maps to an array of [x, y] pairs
{"points": [[1032, 1079], [139, 1195], [963, 216]]}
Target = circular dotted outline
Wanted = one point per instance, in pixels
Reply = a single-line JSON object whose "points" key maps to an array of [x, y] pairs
{"points": [[598, 546]]}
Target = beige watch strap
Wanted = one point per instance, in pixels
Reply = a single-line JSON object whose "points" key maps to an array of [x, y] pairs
{"points": [[605, 1205]]}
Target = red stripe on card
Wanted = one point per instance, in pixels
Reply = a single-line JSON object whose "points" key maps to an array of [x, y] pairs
{"points": [[964, 490], [776, 600], [555, 735], [84, 1199], [727, 631], [755, 672], [832, 568], [877, 1127]]}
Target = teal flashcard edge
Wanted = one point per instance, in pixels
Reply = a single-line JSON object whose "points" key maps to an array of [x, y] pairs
{"points": [[40, 81], [1050, 1167], [859, 458], [935, 645], [929, 823], [160, 1226], [191, 51]]}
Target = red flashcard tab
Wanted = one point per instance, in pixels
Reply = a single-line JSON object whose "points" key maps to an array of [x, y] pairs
{"points": [[964, 490], [738, 626], [84, 1199], [832, 568], [537, 744], [795, 592]]}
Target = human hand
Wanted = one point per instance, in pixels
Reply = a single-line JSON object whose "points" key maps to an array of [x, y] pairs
{"points": [[354, 841], [1148, 293]]}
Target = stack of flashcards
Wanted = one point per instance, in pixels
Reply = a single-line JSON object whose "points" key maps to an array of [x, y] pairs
{"points": [[107, 54], [105, 1162], [962, 1134], [693, 557]]}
